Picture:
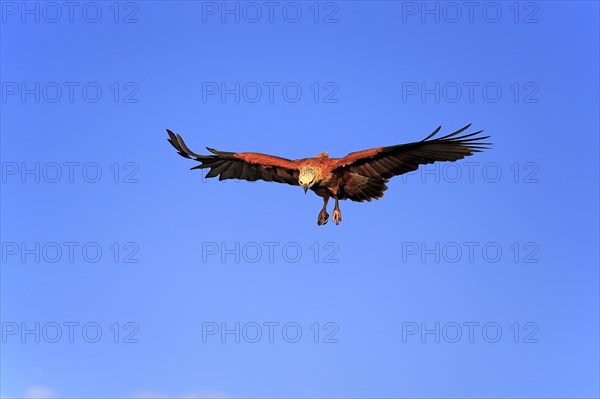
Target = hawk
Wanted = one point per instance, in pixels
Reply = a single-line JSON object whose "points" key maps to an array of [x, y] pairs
{"points": [[359, 176]]}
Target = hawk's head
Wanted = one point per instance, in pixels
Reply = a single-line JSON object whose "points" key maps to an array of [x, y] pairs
{"points": [[308, 177]]}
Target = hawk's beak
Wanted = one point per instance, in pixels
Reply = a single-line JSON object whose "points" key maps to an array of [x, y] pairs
{"points": [[305, 189]]}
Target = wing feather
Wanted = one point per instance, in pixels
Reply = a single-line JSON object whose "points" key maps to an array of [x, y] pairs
{"points": [[391, 161], [250, 166], [228, 173]]}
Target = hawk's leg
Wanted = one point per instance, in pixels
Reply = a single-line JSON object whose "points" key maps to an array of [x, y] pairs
{"points": [[323, 215], [337, 214]]}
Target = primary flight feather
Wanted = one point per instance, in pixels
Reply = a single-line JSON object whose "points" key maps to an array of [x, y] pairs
{"points": [[359, 176]]}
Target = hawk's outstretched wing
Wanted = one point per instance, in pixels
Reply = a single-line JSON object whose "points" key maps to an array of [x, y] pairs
{"points": [[386, 162], [249, 166]]}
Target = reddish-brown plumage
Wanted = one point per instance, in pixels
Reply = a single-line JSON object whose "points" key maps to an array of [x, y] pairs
{"points": [[359, 176]]}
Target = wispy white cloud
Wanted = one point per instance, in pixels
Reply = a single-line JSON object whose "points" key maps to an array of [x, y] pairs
{"points": [[146, 394], [38, 392]]}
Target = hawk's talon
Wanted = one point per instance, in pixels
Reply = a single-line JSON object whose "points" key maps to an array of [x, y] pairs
{"points": [[323, 218], [337, 216]]}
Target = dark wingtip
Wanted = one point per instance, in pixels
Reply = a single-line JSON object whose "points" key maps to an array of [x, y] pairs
{"points": [[433, 133]]}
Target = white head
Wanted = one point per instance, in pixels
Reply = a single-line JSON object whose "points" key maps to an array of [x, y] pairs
{"points": [[308, 176]]}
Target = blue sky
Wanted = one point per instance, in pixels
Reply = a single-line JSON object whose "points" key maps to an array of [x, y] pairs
{"points": [[124, 274]]}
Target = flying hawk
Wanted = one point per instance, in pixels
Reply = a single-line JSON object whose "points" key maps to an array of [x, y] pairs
{"points": [[359, 176]]}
